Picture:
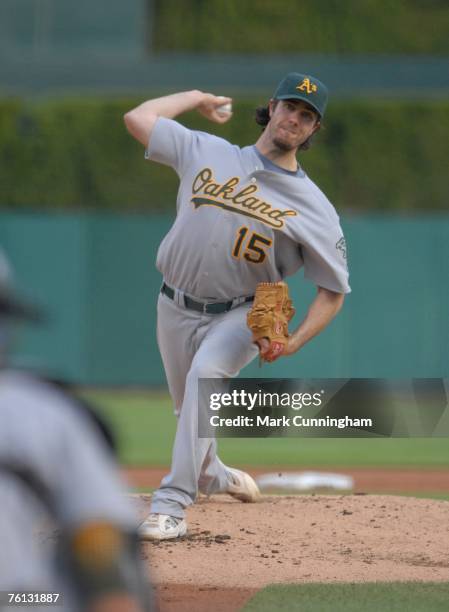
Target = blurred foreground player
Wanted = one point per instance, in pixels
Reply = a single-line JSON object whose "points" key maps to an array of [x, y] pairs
{"points": [[65, 525]]}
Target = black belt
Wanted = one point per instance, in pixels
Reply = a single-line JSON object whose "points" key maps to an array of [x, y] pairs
{"points": [[206, 308]]}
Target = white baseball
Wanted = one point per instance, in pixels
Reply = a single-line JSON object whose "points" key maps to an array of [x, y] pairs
{"points": [[224, 109]]}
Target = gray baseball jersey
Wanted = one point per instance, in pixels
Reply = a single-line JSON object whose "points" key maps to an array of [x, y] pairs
{"points": [[43, 433], [239, 223]]}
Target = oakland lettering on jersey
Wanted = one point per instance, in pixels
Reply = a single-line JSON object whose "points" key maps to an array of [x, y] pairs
{"points": [[229, 197]]}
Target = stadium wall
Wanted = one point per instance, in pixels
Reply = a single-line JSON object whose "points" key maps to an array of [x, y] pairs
{"points": [[95, 276]]}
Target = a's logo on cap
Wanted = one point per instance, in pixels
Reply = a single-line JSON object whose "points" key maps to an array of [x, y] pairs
{"points": [[307, 86]]}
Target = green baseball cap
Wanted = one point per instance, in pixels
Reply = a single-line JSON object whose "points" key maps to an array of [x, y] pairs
{"points": [[304, 87]]}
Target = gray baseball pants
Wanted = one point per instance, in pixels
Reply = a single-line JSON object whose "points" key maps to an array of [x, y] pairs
{"points": [[195, 345]]}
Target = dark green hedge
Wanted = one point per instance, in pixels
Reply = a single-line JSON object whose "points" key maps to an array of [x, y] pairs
{"points": [[310, 26], [384, 155]]}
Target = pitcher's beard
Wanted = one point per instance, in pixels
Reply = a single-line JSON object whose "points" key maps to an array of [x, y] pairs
{"points": [[283, 146]]}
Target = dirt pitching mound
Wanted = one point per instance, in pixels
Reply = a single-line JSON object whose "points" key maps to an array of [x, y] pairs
{"points": [[309, 538]]}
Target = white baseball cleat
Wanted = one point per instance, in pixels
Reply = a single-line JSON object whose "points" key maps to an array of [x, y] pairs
{"points": [[242, 486], [162, 527]]}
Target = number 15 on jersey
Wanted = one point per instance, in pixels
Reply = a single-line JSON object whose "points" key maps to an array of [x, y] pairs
{"points": [[252, 246]]}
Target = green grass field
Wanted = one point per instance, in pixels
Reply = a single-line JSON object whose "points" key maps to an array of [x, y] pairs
{"points": [[371, 597], [144, 425]]}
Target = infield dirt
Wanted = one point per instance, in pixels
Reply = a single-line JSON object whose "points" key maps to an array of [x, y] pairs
{"points": [[234, 549]]}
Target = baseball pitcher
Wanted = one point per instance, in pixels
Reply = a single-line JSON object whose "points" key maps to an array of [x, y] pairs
{"points": [[246, 218]]}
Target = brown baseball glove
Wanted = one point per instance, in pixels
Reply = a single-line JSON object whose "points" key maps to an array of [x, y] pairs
{"points": [[268, 318]]}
